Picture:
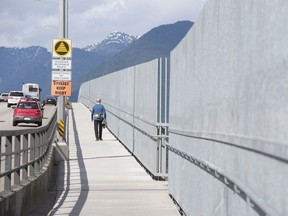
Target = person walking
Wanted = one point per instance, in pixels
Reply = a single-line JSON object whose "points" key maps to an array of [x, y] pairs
{"points": [[98, 114]]}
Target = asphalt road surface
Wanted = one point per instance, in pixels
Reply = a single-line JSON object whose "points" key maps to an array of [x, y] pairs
{"points": [[6, 117]]}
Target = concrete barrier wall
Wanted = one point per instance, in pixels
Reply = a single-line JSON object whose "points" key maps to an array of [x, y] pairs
{"points": [[229, 111]]}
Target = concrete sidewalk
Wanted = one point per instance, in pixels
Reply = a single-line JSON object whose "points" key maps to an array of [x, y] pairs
{"points": [[102, 178]]}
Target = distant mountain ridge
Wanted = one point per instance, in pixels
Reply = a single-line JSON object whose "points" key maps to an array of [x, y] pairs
{"points": [[33, 64], [117, 51], [158, 42], [20, 65]]}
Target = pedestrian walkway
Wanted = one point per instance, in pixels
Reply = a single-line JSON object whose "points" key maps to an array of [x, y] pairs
{"points": [[103, 178]]}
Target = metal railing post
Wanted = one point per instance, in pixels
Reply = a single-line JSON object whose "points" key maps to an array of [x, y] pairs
{"points": [[32, 153], [24, 147], [16, 150], [37, 153], [2, 165], [41, 149], [8, 163]]}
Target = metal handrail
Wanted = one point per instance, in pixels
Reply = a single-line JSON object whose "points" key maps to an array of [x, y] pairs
{"points": [[24, 154], [232, 183]]}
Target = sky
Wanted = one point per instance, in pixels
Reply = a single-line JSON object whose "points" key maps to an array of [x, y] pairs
{"points": [[25, 23]]}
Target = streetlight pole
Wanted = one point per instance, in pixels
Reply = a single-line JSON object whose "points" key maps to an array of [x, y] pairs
{"points": [[63, 29], [62, 149]]}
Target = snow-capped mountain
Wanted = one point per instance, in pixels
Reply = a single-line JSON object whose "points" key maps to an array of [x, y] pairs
{"points": [[113, 44], [117, 51], [33, 64]]}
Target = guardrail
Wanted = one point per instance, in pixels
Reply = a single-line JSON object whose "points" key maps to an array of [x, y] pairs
{"points": [[25, 154], [158, 150]]}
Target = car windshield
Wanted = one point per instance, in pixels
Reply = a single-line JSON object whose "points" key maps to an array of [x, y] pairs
{"points": [[17, 94], [27, 106]]}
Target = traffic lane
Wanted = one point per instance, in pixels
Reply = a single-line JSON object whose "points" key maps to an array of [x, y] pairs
{"points": [[6, 117], [4, 112]]}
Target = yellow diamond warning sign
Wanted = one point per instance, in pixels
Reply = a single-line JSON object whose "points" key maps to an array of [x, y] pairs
{"points": [[62, 48]]}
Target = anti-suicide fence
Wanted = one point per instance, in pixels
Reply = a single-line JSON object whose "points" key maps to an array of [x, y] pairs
{"points": [[137, 104], [227, 114]]}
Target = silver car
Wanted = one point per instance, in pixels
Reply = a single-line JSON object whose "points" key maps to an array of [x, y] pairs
{"points": [[4, 97]]}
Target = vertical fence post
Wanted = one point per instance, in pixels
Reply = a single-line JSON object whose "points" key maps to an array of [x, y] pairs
{"points": [[31, 141], [24, 147], [41, 147], [2, 165], [16, 152], [158, 114], [37, 153], [157, 165], [162, 116], [8, 162], [44, 147]]}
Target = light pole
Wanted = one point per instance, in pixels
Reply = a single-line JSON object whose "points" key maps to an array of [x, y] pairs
{"points": [[63, 33]]}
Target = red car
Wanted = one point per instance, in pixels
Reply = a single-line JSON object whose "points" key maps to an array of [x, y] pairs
{"points": [[28, 112]]}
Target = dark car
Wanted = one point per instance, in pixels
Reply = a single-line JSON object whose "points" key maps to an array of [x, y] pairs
{"points": [[50, 100], [28, 112]]}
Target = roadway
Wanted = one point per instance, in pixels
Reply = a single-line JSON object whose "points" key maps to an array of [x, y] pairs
{"points": [[6, 117]]}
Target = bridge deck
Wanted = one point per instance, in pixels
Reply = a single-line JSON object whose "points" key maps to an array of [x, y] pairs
{"points": [[102, 178]]}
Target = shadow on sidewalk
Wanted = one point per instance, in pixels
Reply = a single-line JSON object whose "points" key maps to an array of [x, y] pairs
{"points": [[84, 186]]}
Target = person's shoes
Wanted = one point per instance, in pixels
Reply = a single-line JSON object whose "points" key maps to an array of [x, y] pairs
{"points": [[101, 139], [97, 139]]}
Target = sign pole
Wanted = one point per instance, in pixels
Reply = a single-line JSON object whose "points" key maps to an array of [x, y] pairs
{"points": [[62, 34], [61, 79]]}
